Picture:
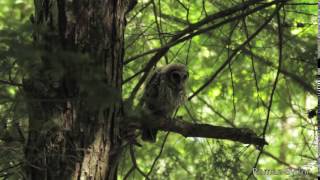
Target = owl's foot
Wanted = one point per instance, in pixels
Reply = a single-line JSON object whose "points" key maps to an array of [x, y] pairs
{"points": [[130, 134], [134, 142]]}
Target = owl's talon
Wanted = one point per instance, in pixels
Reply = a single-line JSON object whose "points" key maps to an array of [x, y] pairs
{"points": [[135, 142], [130, 134]]}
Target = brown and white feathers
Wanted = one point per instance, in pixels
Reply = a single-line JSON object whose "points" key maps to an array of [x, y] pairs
{"points": [[164, 92]]}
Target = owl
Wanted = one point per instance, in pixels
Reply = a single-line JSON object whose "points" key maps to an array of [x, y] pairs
{"points": [[165, 91]]}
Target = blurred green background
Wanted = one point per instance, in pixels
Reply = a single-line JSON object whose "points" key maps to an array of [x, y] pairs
{"points": [[238, 97]]}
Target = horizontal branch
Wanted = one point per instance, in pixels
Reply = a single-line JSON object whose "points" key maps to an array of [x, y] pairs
{"points": [[188, 129], [302, 4], [10, 83]]}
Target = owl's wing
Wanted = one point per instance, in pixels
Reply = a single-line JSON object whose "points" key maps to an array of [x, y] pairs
{"points": [[151, 90], [152, 86], [151, 93]]}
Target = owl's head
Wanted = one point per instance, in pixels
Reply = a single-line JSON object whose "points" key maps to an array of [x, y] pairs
{"points": [[176, 75]]}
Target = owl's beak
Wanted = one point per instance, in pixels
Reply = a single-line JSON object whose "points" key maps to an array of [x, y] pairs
{"points": [[179, 89]]}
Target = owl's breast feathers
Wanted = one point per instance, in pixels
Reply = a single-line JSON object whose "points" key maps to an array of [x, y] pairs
{"points": [[162, 99], [164, 92]]}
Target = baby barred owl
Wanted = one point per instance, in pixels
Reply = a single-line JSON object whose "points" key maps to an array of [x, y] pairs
{"points": [[164, 92]]}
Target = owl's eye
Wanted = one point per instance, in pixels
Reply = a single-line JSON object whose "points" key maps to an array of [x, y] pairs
{"points": [[184, 77], [175, 76]]}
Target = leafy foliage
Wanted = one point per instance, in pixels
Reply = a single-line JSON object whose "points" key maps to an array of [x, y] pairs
{"points": [[239, 96]]}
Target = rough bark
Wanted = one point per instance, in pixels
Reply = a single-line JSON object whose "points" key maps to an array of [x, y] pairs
{"points": [[73, 115]]}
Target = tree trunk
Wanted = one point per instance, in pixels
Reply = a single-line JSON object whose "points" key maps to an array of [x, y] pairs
{"points": [[73, 113]]}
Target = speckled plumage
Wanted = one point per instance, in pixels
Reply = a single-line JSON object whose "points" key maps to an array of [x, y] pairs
{"points": [[164, 92]]}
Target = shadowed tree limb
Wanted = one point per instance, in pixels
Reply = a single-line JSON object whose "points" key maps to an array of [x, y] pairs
{"points": [[188, 129], [11, 83], [209, 131]]}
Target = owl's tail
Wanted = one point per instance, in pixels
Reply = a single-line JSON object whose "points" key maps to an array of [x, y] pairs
{"points": [[149, 135]]}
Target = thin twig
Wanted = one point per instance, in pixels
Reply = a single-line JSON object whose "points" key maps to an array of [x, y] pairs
{"points": [[160, 152], [274, 85], [283, 71], [132, 77], [158, 25], [188, 51], [134, 161], [138, 36], [10, 167], [252, 60], [230, 58], [11, 83], [230, 69], [139, 11], [129, 172], [228, 121], [302, 4], [188, 33], [180, 37]]}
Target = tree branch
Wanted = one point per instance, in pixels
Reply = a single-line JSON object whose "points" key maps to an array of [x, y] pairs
{"points": [[188, 129], [305, 85], [134, 162], [10, 83], [158, 156], [280, 43], [194, 30], [234, 53]]}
